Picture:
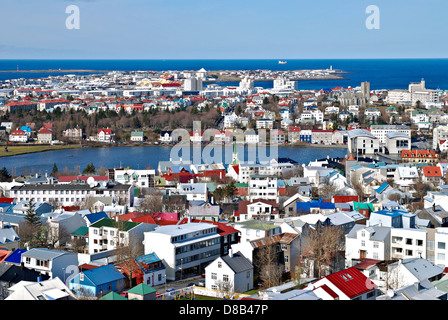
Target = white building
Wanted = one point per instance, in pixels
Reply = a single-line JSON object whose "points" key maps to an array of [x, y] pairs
{"points": [[381, 130], [262, 187], [440, 138], [232, 273], [52, 263], [184, 248], [138, 178], [361, 141], [109, 234]]}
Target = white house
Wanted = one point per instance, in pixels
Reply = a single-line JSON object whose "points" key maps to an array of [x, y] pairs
{"points": [[54, 263], [232, 273]]}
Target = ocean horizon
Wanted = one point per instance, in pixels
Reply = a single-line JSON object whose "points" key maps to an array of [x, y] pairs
{"points": [[381, 73]]}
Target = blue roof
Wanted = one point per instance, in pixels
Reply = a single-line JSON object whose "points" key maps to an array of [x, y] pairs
{"points": [[382, 187], [103, 274], [94, 217], [16, 256]]}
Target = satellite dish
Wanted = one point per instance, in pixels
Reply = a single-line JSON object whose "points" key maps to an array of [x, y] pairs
{"points": [[390, 293], [91, 181]]}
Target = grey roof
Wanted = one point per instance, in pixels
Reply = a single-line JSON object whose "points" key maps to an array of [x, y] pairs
{"points": [[43, 253], [8, 234], [238, 262], [356, 133], [394, 135], [421, 268], [68, 186], [379, 233]]}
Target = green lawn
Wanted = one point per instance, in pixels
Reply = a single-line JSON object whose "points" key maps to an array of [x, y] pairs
{"points": [[15, 150]]}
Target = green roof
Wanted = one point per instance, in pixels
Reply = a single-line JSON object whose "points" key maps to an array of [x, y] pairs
{"points": [[142, 289], [137, 133], [121, 225], [257, 224], [359, 205], [81, 231], [241, 185], [112, 296]]}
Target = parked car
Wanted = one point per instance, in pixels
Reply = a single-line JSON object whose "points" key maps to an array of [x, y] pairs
{"points": [[124, 294], [201, 283]]}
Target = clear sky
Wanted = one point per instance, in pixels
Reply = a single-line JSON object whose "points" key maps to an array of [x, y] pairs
{"points": [[222, 29]]}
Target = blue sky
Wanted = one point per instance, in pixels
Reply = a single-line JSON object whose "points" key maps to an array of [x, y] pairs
{"points": [[230, 29]]}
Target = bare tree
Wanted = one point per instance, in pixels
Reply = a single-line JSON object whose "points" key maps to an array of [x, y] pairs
{"points": [[321, 246], [357, 186], [267, 265], [152, 202]]}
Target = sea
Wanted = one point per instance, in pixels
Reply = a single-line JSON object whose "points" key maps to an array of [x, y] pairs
{"points": [[381, 73]]}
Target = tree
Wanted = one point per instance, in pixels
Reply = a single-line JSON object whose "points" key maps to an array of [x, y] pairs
{"points": [[4, 175], [55, 170], [321, 246], [31, 216], [267, 266], [90, 168]]}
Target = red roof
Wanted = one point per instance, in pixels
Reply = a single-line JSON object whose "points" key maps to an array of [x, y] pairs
{"points": [[106, 131], [345, 199], [6, 200], [18, 132], [351, 282], [83, 178], [329, 291], [418, 153], [432, 171], [44, 131]]}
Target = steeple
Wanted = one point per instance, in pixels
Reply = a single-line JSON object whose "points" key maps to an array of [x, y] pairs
{"points": [[235, 159]]}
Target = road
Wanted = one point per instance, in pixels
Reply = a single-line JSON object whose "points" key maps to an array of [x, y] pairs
{"points": [[178, 284]]}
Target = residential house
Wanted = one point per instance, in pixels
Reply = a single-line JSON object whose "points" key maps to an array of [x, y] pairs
{"points": [[97, 282], [347, 284], [166, 136], [137, 136], [142, 292], [232, 273], [51, 289], [432, 175], [258, 209], [54, 263], [419, 156], [44, 136], [256, 229], [18, 136], [105, 135]]}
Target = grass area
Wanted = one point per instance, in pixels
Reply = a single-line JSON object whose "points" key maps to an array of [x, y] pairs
{"points": [[15, 150]]}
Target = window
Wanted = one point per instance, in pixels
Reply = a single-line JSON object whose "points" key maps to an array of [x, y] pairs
{"points": [[363, 243], [408, 241], [214, 276], [419, 242], [225, 278], [441, 256], [440, 245], [376, 245], [219, 264]]}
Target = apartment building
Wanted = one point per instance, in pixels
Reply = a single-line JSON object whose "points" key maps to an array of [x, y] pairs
{"points": [[185, 248], [109, 234], [262, 187], [72, 194]]}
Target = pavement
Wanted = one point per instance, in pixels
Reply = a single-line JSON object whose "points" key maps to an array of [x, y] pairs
{"points": [[178, 284]]}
